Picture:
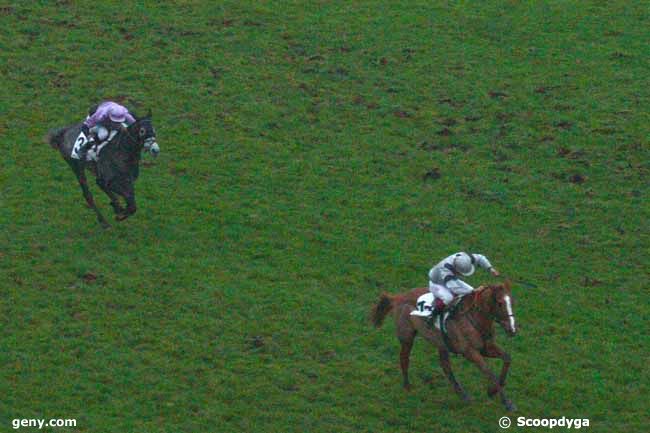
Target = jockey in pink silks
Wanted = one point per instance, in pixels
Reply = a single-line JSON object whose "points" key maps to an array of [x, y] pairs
{"points": [[101, 123]]}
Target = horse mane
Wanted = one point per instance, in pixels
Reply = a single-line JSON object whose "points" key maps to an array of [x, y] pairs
{"points": [[469, 301], [125, 140]]}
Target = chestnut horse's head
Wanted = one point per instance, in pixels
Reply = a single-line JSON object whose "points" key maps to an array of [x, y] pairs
{"points": [[503, 307]]}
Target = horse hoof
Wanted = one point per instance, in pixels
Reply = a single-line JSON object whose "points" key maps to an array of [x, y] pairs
{"points": [[510, 406], [492, 391], [121, 217], [408, 387], [466, 398]]}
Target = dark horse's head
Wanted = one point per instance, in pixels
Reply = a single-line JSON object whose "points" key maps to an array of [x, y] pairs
{"points": [[502, 307], [143, 133]]}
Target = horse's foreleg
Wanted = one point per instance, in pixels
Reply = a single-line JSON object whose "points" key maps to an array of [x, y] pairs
{"points": [[115, 202], [481, 363], [493, 351], [129, 196], [126, 190], [446, 367], [90, 201]]}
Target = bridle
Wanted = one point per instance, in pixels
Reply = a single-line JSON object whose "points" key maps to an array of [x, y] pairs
{"points": [[490, 316], [147, 142]]}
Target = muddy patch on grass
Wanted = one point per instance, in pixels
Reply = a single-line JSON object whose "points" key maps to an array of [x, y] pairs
{"points": [[577, 178], [448, 121], [620, 55], [579, 155], [126, 35], [89, 277], [444, 132], [327, 356], [433, 174], [563, 124], [606, 130], [496, 94], [612, 33], [256, 342], [361, 101]]}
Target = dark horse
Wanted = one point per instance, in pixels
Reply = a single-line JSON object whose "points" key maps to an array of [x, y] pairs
{"points": [[118, 166], [470, 332]]}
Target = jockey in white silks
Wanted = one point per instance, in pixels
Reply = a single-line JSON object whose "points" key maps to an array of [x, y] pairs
{"points": [[444, 281]]}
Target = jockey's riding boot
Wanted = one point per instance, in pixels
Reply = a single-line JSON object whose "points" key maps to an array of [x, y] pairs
{"points": [[438, 309]]}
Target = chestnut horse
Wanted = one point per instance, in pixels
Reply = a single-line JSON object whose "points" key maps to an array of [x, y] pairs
{"points": [[470, 332]]}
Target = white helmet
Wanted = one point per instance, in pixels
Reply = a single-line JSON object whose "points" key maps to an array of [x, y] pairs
{"points": [[463, 264]]}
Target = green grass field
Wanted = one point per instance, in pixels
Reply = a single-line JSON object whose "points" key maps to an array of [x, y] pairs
{"points": [[315, 154]]}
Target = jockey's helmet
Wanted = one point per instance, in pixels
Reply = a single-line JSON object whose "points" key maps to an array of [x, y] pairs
{"points": [[463, 264], [118, 114]]}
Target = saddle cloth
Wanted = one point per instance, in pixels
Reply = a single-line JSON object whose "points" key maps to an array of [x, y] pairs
{"points": [[93, 152], [425, 305]]}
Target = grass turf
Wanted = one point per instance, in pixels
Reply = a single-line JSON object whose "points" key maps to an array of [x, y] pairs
{"points": [[314, 155]]}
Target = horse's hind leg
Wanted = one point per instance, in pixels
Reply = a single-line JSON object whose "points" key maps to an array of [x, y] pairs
{"points": [[435, 338], [405, 334], [480, 362], [446, 367], [493, 351], [404, 360], [83, 182]]}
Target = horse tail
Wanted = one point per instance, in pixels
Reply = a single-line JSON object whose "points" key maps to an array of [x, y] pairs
{"points": [[381, 310], [388, 302], [54, 137]]}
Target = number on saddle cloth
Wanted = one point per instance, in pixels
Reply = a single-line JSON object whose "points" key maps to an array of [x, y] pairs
{"points": [[424, 305], [81, 140]]}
